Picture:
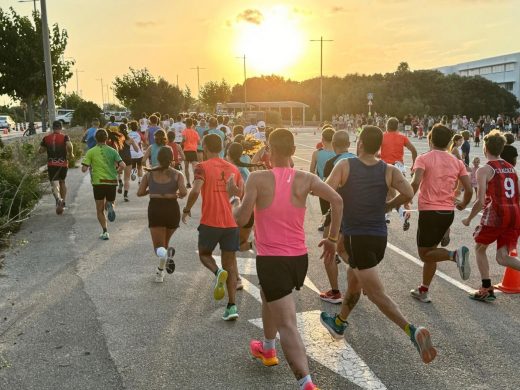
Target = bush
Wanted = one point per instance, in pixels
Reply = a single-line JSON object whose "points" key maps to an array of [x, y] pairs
{"points": [[84, 113]]}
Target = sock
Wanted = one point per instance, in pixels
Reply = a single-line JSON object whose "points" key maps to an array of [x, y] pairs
{"points": [[216, 272], [423, 288], [269, 344], [304, 381], [126, 193], [104, 230], [335, 291], [409, 329], [120, 181], [452, 255], [486, 283], [230, 304], [340, 321]]}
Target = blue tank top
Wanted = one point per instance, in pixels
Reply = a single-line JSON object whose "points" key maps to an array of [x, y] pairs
{"points": [[154, 153], [321, 158], [151, 132], [364, 199]]}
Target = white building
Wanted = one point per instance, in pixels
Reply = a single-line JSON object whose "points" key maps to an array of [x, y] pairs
{"points": [[503, 70]]}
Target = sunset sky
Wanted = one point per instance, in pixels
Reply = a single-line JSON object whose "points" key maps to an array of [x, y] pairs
{"points": [[170, 37]]}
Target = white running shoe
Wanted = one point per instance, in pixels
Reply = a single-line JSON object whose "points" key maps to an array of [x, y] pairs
{"points": [[420, 296], [463, 264], [133, 175], [159, 276]]}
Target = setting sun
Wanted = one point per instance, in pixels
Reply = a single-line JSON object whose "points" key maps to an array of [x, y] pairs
{"points": [[271, 41]]}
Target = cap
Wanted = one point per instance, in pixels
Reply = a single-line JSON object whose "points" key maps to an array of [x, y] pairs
{"points": [[57, 125], [261, 124]]}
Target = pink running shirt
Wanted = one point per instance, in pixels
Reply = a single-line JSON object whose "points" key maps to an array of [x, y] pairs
{"points": [[442, 170], [279, 227]]}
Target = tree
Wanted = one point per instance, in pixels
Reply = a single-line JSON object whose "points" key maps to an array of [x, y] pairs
{"points": [[213, 92], [188, 99], [114, 107], [141, 92], [85, 112], [70, 101], [22, 72]]}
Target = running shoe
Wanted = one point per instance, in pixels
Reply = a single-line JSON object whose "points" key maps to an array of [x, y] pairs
{"points": [[268, 357], [240, 286], [159, 276], [338, 259], [218, 290], [387, 218], [231, 313], [104, 236], [462, 260], [120, 187], [406, 222], [59, 206], [484, 295], [111, 212], [420, 295], [188, 185], [311, 386], [421, 339], [335, 330], [170, 264], [133, 175], [446, 239], [331, 297], [126, 198]]}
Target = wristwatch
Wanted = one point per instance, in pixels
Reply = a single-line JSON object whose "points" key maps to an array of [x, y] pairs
{"points": [[233, 199]]}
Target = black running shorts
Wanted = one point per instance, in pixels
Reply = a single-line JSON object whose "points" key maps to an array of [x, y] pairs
{"points": [[432, 226], [191, 156], [105, 192], [280, 275], [227, 238], [365, 252], [163, 213], [57, 173], [136, 163]]}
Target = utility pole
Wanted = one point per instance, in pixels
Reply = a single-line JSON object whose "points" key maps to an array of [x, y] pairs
{"points": [[321, 40], [177, 81], [108, 94], [48, 64], [245, 80], [77, 80], [102, 94], [198, 68]]}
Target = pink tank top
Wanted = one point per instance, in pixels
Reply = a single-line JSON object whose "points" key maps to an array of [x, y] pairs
{"points": [[279, 227]]}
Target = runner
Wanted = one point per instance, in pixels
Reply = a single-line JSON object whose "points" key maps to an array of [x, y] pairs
{"points": [[319, 157], [392, 152], [190, 142], [164, 185], [112, 125], [278, 198], [217, 225], [498, 195], [509, 153], [365, 233], [151, 130], [143, 122], [150, 155], [59, 150], [473, 175], [201, 128], [103, 160], [213, 130], [89, 137], [340, 143], [136, 156], [436, 173], [178, 154], [129, 145], [178, 127]]}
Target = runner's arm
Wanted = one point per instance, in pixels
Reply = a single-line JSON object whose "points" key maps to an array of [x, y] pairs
{"points": [[339, 174], [181, 153], [193, 196], [405, 190], [70, 149], [143, 187], [147, 153], [181, 183], [417, 178], [312, 168], [412, 150], [468, 192], [483, 173], [242, 210]]}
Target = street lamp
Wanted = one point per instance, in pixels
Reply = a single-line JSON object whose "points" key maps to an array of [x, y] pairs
{"points": [[29, 1], [321, 40]]}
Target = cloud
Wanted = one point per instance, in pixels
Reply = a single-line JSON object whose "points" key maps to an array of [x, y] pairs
{"points": [[253, 16]]}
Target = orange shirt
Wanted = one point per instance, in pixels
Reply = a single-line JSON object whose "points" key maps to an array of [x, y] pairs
{"points": [[216, 209], [392, 148], [191, 140]]}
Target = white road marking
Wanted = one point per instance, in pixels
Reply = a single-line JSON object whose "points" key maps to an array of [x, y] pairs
{"points": [[440, 274], [337, 356]]}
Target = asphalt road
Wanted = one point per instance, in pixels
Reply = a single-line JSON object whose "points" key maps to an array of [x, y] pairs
{"points": [[79, 313]]}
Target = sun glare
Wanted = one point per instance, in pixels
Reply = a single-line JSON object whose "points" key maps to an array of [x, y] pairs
{"points": [[272, 45]]}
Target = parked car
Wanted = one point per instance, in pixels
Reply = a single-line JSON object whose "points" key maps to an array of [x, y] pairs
{"points": [[6, 122], [65, 118]]}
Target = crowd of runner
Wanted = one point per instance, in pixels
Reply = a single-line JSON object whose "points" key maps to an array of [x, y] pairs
{"points": [[247, 181]]}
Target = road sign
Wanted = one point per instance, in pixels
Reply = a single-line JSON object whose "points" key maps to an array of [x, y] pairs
{"points": [[370, 96]]}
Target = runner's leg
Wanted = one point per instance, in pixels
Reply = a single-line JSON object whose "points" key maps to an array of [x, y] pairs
{"points": [[187, 171], [63, 189], [100, 210], [126, 180], [229, 263]]}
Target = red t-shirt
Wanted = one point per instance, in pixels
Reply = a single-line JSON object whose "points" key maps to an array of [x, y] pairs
{"points": [[216, 209], [191, 140], [56, 146], [392, 148]]}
